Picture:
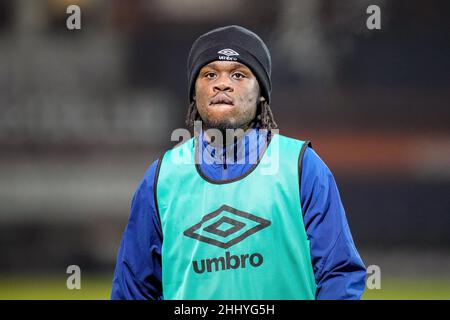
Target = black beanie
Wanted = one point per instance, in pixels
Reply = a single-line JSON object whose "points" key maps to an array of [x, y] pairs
{"points": [[231, 43]]}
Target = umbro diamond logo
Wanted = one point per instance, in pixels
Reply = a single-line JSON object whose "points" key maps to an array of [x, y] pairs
{"points": [[228, 52], [226, 226]]}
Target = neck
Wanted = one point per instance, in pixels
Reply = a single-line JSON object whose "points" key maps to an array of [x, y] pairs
{"points": [[227, 137]]}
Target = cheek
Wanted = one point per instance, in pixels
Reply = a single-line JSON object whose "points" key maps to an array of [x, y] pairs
{"points": [[249, 96], [201, 95]]}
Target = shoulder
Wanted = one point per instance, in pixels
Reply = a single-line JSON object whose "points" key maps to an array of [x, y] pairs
{"points": [[313, 167], [308, 156], [313, 161], [181, 153], [315, 175], [291, 140], [294, 143], [153, 169], [150, 174]]}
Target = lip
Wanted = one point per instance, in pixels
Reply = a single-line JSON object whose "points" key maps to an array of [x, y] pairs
{"points": [[221, 98]]}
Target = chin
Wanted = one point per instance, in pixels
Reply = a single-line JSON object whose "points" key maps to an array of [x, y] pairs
{"points": [[221, 124]]}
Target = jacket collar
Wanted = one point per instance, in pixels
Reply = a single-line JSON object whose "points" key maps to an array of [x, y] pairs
{"points": [[244, 150]]}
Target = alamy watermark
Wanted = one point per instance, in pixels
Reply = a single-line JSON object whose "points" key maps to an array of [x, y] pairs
{"points": [[373, 279], [73, 21], [235, 142], [374, 20], [74, 280]]}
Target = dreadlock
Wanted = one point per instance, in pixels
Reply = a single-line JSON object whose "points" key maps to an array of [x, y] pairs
{"points": [[263, 120]]}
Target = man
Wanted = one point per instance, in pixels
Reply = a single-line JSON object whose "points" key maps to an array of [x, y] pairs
{"points": [[222, 224]]}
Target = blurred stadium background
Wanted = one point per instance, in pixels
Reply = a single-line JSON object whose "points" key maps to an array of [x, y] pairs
{"points": [[84, 113]]}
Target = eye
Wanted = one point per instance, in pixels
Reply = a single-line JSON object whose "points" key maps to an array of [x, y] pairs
{"points": [[238, 75], [209, 75]]}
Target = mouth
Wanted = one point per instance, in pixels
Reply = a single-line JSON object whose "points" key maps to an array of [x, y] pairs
{"points": [[221, 99]]}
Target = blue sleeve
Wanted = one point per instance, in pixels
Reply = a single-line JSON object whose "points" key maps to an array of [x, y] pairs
{"points": [[338, 268], [137, 275]]}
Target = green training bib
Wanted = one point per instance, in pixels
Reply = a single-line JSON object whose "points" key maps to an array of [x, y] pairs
{"points": [[239, 239]]}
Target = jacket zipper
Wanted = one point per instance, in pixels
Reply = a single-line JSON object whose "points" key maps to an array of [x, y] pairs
{"points": [[225, 167]]}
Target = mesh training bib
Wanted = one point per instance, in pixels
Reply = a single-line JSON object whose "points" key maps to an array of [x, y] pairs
{"points": [[238, 239]]}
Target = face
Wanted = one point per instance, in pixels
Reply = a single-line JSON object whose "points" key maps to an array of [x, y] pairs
{"points": [[226, 94]]}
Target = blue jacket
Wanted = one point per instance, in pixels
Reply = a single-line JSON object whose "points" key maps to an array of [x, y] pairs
{"points": [[338, 268]]}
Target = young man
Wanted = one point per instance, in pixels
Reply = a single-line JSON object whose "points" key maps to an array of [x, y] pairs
{"points": [[224, 225]]}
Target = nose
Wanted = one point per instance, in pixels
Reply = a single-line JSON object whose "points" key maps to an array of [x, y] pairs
{"points": [[223, 84]]}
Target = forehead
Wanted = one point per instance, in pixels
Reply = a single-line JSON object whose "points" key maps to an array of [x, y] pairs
{"points": [[226, 65]]}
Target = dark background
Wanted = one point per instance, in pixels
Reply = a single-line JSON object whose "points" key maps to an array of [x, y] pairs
{"points": [[83, 114]]}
